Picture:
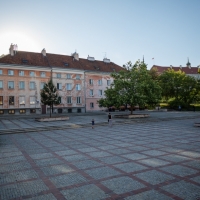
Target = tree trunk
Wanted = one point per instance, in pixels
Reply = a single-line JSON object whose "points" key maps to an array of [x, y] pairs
{"points": [[50, 110], [131, 110]]}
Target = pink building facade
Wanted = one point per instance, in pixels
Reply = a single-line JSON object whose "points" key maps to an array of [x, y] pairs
{"points": [[80, 82]]}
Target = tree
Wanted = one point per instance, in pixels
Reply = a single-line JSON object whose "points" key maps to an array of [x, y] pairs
{"points": [[110, 98], [179, 88], [154, 73], [49, 95], [135, 86]]}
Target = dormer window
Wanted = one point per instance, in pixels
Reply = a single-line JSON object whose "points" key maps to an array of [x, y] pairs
{"points": [[66, 64], [97, 68], [24, 61]]}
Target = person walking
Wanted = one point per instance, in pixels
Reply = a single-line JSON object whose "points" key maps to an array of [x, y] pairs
{"points": [[92, 123], [110, 119]]}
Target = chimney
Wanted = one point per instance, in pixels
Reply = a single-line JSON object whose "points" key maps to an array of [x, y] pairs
{"points": [[76, 56], [106, 60], [43, 52], [90, 58], [11, 50]]}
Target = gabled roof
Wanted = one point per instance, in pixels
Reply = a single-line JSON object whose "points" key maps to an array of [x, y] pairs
{"points": [[187, 70], [56, 60]]}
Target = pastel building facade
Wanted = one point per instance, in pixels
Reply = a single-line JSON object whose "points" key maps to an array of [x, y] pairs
{"points": [[80, 82]]}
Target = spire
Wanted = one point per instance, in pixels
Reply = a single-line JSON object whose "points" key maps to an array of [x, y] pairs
{"points": [[143, 59], [188, 64]]}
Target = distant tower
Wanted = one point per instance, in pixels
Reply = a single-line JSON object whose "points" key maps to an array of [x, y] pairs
{"points": [[188, 64], [143, 59]]}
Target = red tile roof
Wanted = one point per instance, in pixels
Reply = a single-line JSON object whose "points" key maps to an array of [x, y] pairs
{"points": [[56, 60], [187, 70]]}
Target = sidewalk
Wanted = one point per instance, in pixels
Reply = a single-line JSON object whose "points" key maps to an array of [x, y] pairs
{"points": [[21, 124]]}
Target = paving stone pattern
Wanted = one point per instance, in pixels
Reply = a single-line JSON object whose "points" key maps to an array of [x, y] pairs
{"points": [[139, 161]]}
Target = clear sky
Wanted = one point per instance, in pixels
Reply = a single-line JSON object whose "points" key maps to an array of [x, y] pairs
{"points": [[123, 30]]}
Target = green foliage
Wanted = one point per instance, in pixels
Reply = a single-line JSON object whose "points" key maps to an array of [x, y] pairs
{"points": [[179, 88], [49, 95], [111, 98], [154, 73], [132, 86]]}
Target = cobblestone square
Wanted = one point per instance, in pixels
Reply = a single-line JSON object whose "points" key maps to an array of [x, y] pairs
{"points": [[144, 159], [154, 177]]}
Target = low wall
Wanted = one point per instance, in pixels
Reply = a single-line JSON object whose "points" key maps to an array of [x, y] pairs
{"points": [[49, 119], [132, 116]]}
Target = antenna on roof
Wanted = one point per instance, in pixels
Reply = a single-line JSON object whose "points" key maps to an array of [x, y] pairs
{"points": [[105, 55]]}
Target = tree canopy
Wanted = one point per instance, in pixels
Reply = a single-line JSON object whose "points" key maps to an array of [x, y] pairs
{"points": [[133, 86], [179, 88], [49, 95]]}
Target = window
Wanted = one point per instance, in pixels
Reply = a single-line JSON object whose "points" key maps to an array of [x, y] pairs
{"points": [[91, 81], [59, 99], [99, 82], [21, 73], [42, 85], [66, 64], [24, 61], [11, 111], [59, 86], [91, 92], [58, 75], [1, 111], [68, 76], [91, 105], [21, 100], [68, 86], [10, 72], [22, 111], [32, 85], [32, 100], [59, 110], [78, 76], [32, 110], [11, 100], [10, 84], [32, 74], [78, 87], [1, 84], [108, 82], [69, 100], [78, 100], [21, 85], [42, 74], [100, 92], [1, 71], [69, 110], [1, 100]]}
